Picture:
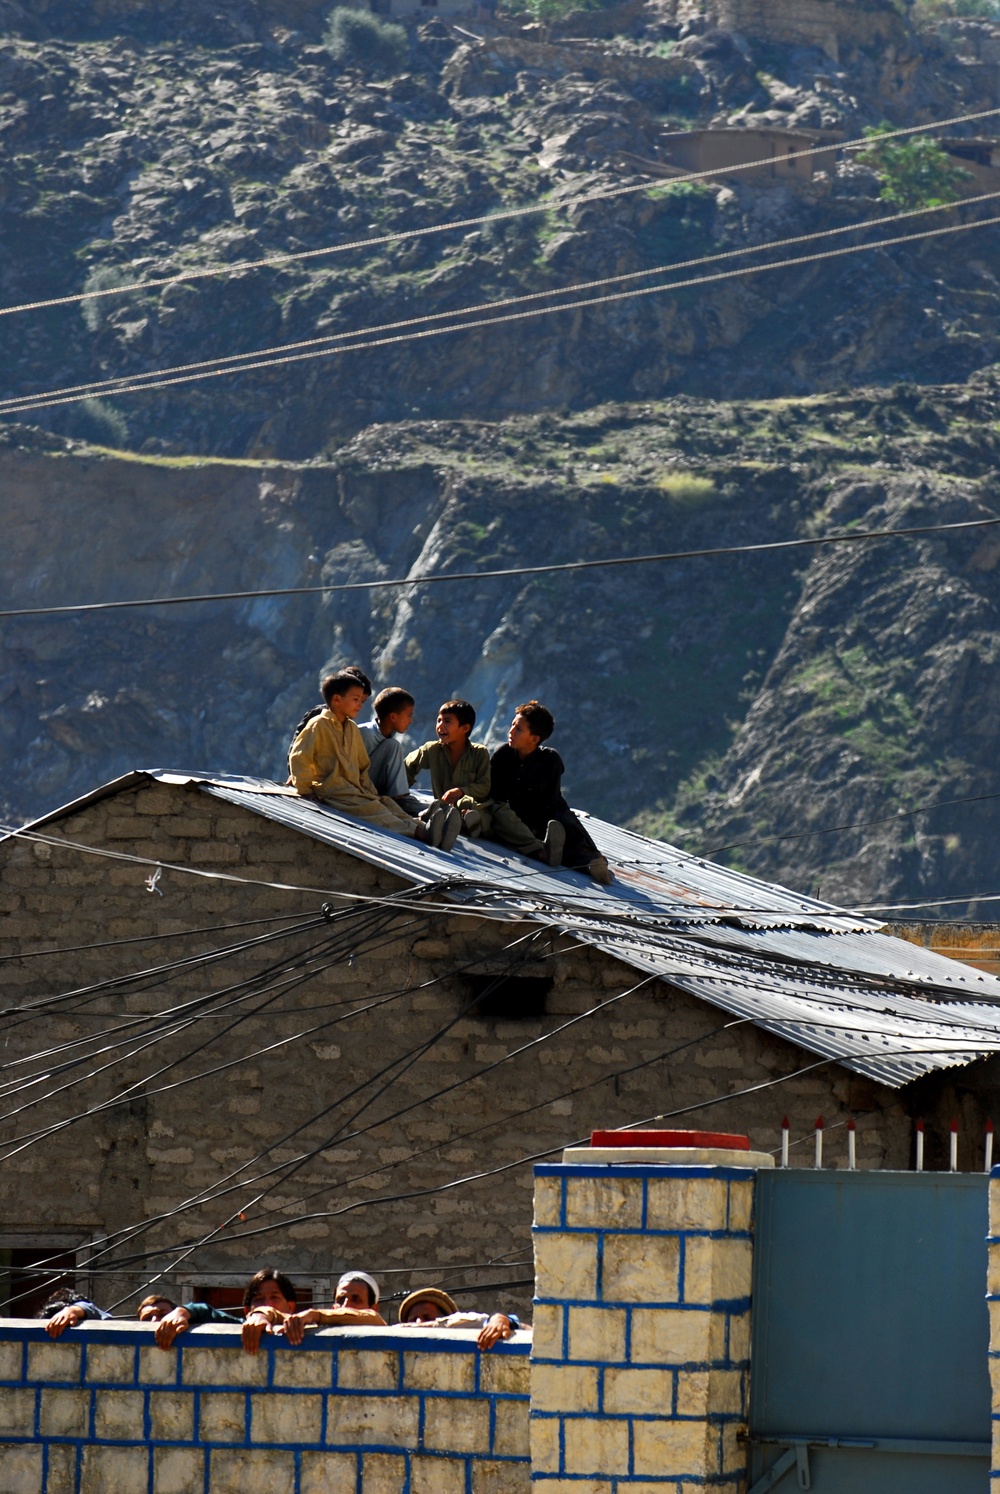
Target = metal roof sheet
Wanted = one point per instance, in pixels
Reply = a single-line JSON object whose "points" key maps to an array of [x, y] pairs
{"points": [[805, 970], [812, 973]]}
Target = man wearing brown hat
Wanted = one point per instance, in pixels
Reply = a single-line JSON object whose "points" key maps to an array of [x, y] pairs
{"points": [[430, 1307]]}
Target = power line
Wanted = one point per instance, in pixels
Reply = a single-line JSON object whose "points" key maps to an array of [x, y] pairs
{"points": [[536, 903], [251, 989], [208, 1194], [213, 928], [520, 1161], [187, 962], [846, 537], [199, 1008], [972, 1048], [413, 898], [401, 1064], [373, 925], [286, 1174], [257, 363], [505, 1119], [940, 902], [240, 362], [346, 946], [275, 261]]}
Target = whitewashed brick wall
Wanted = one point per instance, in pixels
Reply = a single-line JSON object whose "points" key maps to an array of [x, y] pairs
{"points": [[103, 1411]]}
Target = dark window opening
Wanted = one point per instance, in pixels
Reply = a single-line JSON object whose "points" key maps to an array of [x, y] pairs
{"points": [[511, 996], [24, 1288]]}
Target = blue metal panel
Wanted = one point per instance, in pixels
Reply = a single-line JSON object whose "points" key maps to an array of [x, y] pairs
{"points": [[871, 1333]]}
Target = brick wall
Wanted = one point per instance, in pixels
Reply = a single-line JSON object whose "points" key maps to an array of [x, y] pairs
{"points": [[143, 1158], [103, 1411], [641, 1354], [637, 1381]]}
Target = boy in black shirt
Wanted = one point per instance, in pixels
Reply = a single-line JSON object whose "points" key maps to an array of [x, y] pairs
{"points": [[527, 776]]}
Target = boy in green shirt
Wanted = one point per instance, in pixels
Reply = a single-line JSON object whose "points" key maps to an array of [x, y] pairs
{"points": [[460, 777]]}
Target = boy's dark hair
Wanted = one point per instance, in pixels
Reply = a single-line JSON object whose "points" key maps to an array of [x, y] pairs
{"points": [[463, 712], [541, 722], [268, 1273], [360, 676], [64, 1297], [387, 702], [339, 684]]}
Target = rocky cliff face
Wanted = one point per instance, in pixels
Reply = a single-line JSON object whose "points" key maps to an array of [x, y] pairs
{"points": [[757, 701], [139, 141]]}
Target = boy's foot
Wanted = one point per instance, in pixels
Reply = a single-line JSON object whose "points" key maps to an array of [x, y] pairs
{"points": [[451, 824], [555, 840], [601, 871], [423, 832], [472, 824], [431, 829], [426, 813]]}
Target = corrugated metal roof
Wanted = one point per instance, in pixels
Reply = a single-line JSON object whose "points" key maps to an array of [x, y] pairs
{"points": [[805, 970], [802, 969]]}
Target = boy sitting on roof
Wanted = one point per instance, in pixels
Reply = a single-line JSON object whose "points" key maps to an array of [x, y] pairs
{"points": [[460, 778], [526, 776], [392, 714], [328, 762]]}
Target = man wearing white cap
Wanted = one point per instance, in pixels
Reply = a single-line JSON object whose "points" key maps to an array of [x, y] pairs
{"points": [[355, 1306]]}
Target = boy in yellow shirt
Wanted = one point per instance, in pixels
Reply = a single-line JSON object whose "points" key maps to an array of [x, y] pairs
{"points": [[328, 762]]}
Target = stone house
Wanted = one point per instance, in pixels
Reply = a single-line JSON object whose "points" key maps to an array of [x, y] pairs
{"points": [[722, 150], [242, 1029]]}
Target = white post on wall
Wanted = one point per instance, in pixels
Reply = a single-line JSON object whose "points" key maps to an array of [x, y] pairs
{"points": [[643, 1272]]}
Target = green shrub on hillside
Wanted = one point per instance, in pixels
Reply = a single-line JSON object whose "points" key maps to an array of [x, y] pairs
{"points": [[102, 277], [359, 37], [97, 422], [914, 173], [686, 489]]}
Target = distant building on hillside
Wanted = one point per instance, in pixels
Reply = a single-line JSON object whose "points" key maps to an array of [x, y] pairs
{"points": [[724, 149], [728, 152]]}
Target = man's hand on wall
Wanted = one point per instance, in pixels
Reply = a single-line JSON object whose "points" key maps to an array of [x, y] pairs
{"points": [[256, 1323], [498, 1327], [67, 1317], [167, 1329]]}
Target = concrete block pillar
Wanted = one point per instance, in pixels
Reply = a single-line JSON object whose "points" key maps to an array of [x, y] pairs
{"points": [[641, 1354]]}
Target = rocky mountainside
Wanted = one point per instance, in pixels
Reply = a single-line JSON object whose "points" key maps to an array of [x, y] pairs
{"points": [[138, 140], [797, 708], [756, 701]]}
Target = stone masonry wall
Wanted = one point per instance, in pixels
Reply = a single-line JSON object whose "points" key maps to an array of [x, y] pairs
{"points": [[103, 1411], [254, 1074]]}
